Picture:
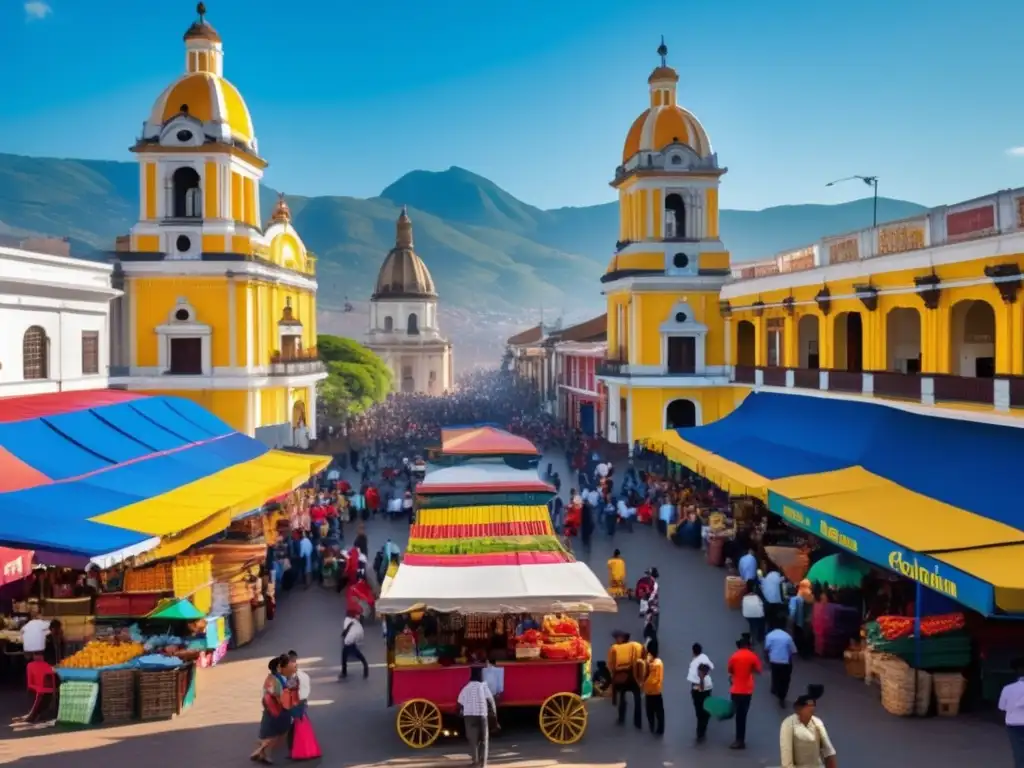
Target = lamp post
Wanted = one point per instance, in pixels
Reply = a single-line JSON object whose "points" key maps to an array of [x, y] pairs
{"points": [[871, 181]]}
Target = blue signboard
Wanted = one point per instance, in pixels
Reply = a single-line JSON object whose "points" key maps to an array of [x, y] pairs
{"points": [[927, 571]]}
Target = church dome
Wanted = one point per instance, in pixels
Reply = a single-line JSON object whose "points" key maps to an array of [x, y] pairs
{"points": [[202, 92], [665, 122], [403, 274]]}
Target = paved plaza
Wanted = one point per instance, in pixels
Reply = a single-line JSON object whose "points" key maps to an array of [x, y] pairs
{"points": [[357, 730]]}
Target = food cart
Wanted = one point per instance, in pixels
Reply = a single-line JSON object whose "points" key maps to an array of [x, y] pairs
{"points": [[486, 583]]}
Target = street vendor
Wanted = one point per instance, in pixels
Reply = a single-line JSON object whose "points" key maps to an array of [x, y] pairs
{"points": [[626, 662], [617, 575]]}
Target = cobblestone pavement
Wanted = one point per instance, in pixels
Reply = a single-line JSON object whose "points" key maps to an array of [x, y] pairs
{"points": [[355, 728]]}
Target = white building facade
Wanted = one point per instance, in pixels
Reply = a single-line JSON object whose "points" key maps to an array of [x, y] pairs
{"points": [[54, 323], [404, 328]]}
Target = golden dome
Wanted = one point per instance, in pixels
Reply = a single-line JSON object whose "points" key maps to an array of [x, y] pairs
{"points": [[281, 212], [665, 122], [403, 274]]}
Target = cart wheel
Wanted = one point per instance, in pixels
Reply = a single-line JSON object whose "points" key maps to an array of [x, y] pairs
{"points": [[418, 723], [563, 718]]}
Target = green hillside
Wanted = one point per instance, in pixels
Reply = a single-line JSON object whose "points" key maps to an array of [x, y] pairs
{"points": [[487, 250]]}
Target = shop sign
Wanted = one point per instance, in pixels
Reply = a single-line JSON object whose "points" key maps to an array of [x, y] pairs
{"points": [[974, 222], [797, 261], [924, 570], [844, 251], [900, 238]]}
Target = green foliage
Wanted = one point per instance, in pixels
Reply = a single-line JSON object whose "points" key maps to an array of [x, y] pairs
{"points": [[357, 378]]}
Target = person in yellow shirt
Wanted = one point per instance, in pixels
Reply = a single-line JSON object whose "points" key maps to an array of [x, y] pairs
{"points": [[627, 662], [653, 683], [617, 575]]}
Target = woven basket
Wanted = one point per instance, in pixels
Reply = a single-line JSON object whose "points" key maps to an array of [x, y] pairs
{"points": [[242, 625], [924, 693], [897, 699], [158, 695], [259, 616], [734, 591], [117, 695], [854, 663], [949, 687]]}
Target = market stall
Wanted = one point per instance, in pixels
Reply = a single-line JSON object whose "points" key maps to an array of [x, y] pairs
{"points": [[486, 582]]}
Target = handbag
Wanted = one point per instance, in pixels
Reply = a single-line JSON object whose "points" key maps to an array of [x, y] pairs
{"points": [[719, 708], [304, 743]]}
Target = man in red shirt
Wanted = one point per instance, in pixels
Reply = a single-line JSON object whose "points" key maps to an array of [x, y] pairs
{"points": [[743, 665]]}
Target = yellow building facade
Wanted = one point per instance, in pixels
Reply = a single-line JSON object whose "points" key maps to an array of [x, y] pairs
{"points": [[217, 307], [668, 356], [924, 310]]}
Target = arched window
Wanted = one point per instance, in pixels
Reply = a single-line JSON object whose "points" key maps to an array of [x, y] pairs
{"points": [[413, 326], [186, 194], [35, 354], [675, 216], [389, 324]]}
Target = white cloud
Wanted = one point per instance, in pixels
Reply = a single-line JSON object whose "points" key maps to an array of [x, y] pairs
{"points": [[1015, 151], [37, 9]]}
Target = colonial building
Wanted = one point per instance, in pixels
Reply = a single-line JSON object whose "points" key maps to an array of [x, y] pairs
{"points": [[404, 327], [581, 400], [55, 316], [218, 307], [926, 310], [667, 342]]}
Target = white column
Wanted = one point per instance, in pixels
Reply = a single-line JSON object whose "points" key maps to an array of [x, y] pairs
{"points": [[311, 410], [613, 414]]}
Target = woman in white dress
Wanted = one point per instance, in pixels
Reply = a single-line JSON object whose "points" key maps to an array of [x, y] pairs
{"points": [[803, 738]]}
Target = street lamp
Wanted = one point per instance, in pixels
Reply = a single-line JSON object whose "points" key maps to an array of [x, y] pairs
{"points": [[871, 181]]}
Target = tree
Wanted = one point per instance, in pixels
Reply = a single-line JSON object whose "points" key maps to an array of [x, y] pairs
{"points": [[357, 378]]}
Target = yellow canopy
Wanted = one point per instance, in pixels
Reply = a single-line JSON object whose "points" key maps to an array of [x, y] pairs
{"points": [[230, 492], [1000, 567], [917, 522], [727, 475]]}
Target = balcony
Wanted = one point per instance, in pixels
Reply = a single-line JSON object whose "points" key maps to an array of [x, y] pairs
{"points": [[298, 362], [1000, 393], [611, 367]]}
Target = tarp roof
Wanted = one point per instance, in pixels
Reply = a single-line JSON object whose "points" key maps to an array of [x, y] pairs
{"points": [[886, 483], [483, 478], [490, 559], [484, 440], [95, 472]]}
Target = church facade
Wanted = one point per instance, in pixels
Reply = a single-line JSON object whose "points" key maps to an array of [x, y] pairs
{"points": [[404, 328], [218, 306]]}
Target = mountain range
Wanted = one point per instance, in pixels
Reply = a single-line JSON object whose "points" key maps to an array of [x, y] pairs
{"points": [[488, 251]]}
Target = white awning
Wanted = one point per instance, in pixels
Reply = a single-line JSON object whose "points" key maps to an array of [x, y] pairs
{"points": [[567, 587], [481, 476]]}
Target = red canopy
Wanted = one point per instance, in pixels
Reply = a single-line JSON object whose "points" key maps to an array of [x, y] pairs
{"points": [[15, 564], [485, 441]]}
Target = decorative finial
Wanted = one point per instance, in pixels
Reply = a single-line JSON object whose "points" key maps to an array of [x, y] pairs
{"points": [[403, 230], [663, 51], [201, 10]]}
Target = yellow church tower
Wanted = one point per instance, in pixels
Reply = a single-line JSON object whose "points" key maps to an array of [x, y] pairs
{"points": [[667, 337], [217, 307]]}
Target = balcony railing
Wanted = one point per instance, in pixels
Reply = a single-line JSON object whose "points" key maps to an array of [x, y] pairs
{"points": [[611, 367], [296, 362], [1002, 392]]}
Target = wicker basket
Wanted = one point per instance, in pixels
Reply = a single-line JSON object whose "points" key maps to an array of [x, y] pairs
{"points": [[158, 695], [117, 695], [734, 591], [923, 701], [259, 617], [527, 651], [897, 698], [242, 625], [949, 690], [854, 662]]}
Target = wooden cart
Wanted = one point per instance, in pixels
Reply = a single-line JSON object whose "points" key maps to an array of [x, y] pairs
{"points": [[426, 695]]}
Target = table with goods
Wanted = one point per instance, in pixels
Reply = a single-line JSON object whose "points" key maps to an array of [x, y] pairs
{"points": [[542, 661]]}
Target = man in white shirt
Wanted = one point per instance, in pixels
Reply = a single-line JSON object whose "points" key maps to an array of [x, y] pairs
{"points": [[752, 609], [351, 636], [699, 678], [601, 471], [475, 704], [34, 634], [1011, 702]]}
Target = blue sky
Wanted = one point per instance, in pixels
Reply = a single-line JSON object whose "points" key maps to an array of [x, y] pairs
{"points": [[538, 95]]}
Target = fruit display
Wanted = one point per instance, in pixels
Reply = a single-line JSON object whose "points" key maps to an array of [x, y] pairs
{"points": [[561, 626], [571, 649], [98, 653], [193, 578], [484, 546], [481, 530], [153, 578], [895, 627]]}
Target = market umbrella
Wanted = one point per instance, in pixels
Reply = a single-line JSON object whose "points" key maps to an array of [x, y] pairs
{"points": [[839, 572], [792, 561]]}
